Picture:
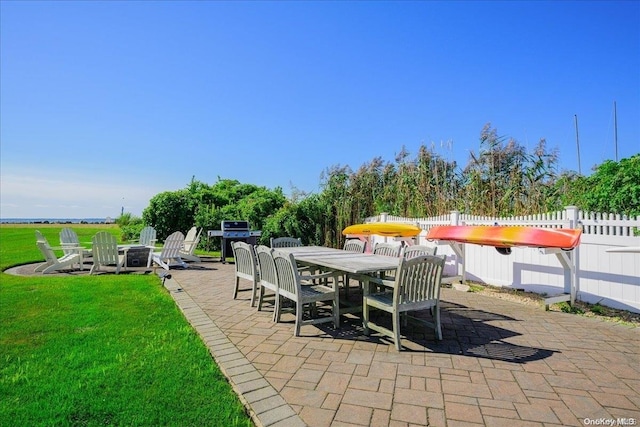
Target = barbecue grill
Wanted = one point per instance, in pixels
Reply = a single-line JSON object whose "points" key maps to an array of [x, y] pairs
{"points": [[233, 231]]}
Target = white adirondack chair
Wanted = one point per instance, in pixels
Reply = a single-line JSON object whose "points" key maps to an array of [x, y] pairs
{"points": [[52, 262], [105, 252], [170, 253], [148, 236], [70, 242], [191, 241]]}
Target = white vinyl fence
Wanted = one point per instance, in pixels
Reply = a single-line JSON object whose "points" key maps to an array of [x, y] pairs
{"points": [[608, 278]]}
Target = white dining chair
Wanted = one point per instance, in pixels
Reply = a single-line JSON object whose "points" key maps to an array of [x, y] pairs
{"points": [[416, 287], [303, 292], [246, 268], [285, 242], [267, 277]]}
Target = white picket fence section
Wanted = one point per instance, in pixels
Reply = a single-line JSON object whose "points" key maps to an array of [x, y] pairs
{"points": [[611, 279]]}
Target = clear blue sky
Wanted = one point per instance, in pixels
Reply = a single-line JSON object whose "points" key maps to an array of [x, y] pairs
{"points": [[105, 104]]}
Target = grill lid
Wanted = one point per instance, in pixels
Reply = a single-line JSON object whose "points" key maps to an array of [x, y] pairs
{"points": [[234, 226]]}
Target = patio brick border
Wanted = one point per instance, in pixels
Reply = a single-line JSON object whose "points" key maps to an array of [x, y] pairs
{"points": [[263, 403]]}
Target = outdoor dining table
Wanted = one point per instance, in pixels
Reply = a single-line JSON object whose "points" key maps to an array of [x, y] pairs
{"points": [[343, 261], [359, 266]]}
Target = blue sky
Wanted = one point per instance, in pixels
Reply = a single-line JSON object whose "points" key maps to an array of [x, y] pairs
{"points": [[105, 104]]}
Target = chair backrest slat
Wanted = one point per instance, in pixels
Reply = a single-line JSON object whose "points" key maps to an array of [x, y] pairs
{"points": [[105, 248], [355, 245], [45, 248], [68, 237], [191, 234], [148, 236], [245, 260], [266, 266], [40, 237], [417, 250], [418, 279], [172, 245], [191, 240], [387, 249], [285, 242], [288, 280]]}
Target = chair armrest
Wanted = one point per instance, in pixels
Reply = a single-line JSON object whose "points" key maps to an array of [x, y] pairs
{"points": [[375, 280], [66, 246], [308, 277]]}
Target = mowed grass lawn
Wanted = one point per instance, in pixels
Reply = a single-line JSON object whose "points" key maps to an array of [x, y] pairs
{"points": [[100, 350]]}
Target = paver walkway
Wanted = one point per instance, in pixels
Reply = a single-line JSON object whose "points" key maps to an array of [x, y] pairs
{"points": [[499, 363]]}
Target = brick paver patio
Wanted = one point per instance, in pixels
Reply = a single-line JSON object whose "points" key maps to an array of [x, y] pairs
{"points": [[499, 363]]}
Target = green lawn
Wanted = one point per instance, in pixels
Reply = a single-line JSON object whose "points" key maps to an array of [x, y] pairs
{"points": [[100, 350]]}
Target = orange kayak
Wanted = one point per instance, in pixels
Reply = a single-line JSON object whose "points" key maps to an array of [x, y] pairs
{"points": [[508, 236]]}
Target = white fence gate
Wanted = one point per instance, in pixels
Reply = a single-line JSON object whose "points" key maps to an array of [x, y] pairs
{"points": [[608, 278]]}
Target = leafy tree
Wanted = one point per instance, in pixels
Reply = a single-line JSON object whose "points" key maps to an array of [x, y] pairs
{"points": [[303, 219], [130, 226], [613, 187], [229, 199], [206, 206], [170, 211]]}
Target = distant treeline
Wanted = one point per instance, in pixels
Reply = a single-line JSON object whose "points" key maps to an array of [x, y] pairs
{"points": [[501, 179], [56, 221]]}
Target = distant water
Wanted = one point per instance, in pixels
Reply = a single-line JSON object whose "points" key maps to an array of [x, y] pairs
{"points": [[55, 220]]}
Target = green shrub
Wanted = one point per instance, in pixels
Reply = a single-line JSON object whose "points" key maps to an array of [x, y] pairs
{"points": [[565, 307], [598, 309]]}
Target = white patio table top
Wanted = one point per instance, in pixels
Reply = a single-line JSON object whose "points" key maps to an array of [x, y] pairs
{"points": [[341, 260], [359, 266]]}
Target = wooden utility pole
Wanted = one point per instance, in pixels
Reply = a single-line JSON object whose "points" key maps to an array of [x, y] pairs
{"points": [[615, 127], [578, 144]]}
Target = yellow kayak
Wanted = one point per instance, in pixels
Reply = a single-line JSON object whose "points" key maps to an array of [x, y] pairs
{"points": [[383, 229]]}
